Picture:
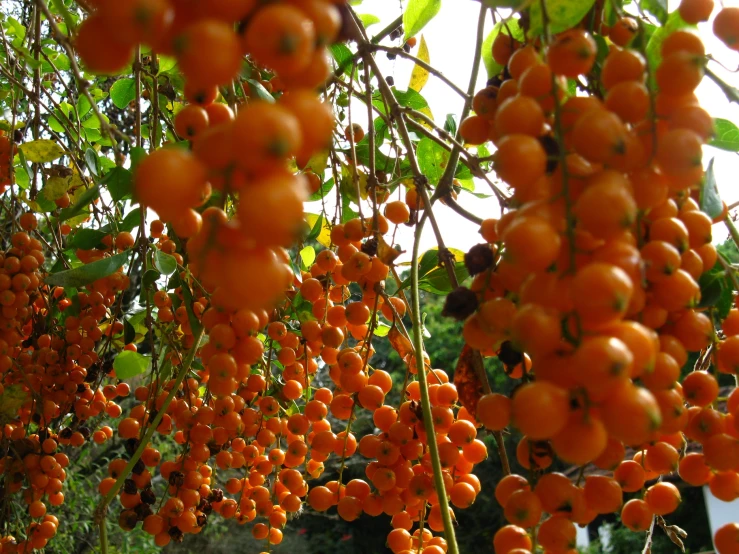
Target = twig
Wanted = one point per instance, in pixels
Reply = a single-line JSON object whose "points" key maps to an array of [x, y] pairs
{"points": [[419, 62]]}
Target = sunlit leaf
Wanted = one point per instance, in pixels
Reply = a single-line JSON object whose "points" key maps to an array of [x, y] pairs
{"points": [[41, 150], [308, 256], [493, 68], [563, 14], [324, 236], [368, 19], [432, 159], [727, 135], [128, 364], [420, 76], [417, 14]]}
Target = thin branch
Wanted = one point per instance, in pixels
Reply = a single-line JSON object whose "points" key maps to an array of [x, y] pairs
{"points": [[419, 62]]}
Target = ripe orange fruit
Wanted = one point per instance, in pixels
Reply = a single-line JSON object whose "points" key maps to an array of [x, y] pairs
{"points": [[725, 27], [540, 410], [281, 37]]}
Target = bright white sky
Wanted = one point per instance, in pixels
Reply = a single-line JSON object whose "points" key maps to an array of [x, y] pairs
{"points": [[451, 41]]}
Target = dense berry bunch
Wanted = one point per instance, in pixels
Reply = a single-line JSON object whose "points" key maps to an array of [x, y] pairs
{"points": [[586, 290]]}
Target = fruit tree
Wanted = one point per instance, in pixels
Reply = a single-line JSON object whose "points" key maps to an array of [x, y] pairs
{"points": [[171, 307]]}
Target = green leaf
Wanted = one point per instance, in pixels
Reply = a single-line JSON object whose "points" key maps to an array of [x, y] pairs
{"points": [[654, 46], [128, 364], [417, 14], [131, 221], [165, 263], [611, 9], [432, 159], [727, 135], [368, 19], [437, 281], [195, 324], [86, 238], [257, 90], [563, 14], [86, 274], [410, 99], [150, 277], [133, 326], [137, 154], [658, 8], [716, 291], [710, 201], [382, 329], [307, 256], [91, 159], [492, 68], [119, 183], [123, 92], [450, 124], [41, 151], [84, 200]]}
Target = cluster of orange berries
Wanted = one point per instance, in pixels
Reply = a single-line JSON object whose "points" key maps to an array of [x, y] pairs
{"points": [[7, 151], [57, 371], [594, 275]]}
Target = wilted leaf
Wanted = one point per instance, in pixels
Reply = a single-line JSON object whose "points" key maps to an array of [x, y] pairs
{"points": [[420, 76], [386, 253], [86, 274], [41, 151], [128, 364], [417, 14], [468, 385], [399, 343]]}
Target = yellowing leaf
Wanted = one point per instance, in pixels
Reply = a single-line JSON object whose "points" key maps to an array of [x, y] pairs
{"points": [[55, 187], [10, 402], [42, 150], [324, 237], [317, 164], [420, 76]]}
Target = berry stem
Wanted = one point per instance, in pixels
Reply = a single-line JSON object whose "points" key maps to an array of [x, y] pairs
{"points": [[428, 421], [102, 507]]}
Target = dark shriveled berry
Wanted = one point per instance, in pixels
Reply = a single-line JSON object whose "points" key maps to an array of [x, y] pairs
{"points": [[479, 258], [460, 304]]}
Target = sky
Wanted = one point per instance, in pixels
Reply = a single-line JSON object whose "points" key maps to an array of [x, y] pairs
{"points": [[451, 41]]}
